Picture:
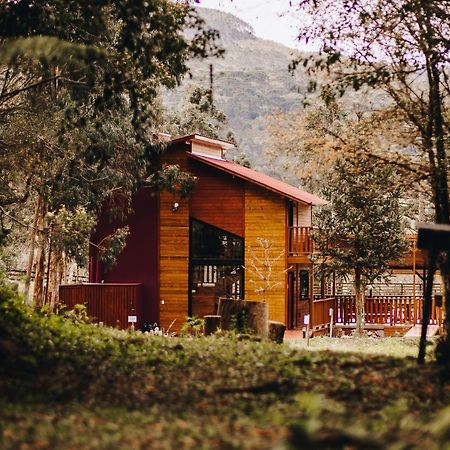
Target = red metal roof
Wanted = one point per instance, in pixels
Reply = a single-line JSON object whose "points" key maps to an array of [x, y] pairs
{"points": [[260, 179]]}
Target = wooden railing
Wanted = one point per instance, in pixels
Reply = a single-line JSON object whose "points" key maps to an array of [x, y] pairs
{"points": [[300, 242], [116, 305], [386, 310]]}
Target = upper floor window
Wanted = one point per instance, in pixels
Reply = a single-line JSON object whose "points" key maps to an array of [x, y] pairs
{"points": [[212, 243]]}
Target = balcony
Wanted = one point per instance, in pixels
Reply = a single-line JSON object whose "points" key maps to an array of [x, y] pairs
{"points": [[300, 244]]}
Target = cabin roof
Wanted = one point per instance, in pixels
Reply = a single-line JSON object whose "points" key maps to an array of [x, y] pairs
{"points": [[260, 179]]}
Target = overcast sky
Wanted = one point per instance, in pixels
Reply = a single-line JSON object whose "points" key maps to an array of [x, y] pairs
{"points": [[271, 19]]}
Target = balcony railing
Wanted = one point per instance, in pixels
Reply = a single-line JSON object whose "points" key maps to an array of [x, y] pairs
{"points": [[300, 242]]}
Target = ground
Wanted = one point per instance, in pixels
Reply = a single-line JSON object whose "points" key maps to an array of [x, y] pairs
{"points": [[234, 393]]}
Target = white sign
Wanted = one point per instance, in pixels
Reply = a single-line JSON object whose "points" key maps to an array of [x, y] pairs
{"points": [[132, 319], [306, 319], [331, 312]]}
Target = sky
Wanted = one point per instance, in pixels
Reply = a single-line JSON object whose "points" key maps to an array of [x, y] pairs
{"points": [[271, 19]]}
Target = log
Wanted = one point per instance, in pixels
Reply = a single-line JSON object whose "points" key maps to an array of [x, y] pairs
{"points": [[276, 331], [212, 324], [244, 316]]}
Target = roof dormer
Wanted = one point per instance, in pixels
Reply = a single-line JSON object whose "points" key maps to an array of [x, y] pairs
{"points": [[203, 146]]}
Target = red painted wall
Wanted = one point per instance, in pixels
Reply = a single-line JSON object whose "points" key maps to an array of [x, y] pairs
{"points": [[139, 262]]}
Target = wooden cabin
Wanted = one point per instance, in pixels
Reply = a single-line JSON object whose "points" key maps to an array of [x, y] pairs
{"points": [[186, 254]]}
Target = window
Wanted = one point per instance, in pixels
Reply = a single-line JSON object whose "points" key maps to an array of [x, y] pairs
{"points": [[209, 243]]}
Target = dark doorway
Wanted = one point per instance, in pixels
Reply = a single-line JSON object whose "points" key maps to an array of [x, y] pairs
{"points": [[298, 296]]}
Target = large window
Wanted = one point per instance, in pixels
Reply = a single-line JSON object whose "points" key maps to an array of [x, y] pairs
{"points": [[216, 259], [209, 243]]}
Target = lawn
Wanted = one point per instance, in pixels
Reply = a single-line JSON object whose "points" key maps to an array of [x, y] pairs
{"points": [[389, 346], [65, 384]]}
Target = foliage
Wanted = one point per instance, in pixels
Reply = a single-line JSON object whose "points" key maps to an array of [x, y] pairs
{"points": [[193, 326], [361, 230], [67, 383], [312, 139], [79, 86], [112, 245], [198, 113], [402, 48], [174, 180]]}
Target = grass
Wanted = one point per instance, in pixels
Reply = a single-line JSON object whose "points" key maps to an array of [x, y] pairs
{"points": [[390, 346], [65, 384]]}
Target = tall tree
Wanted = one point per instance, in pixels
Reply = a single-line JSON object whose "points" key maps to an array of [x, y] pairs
{"points": [[403, 48], [360, 231], [79, 83]]}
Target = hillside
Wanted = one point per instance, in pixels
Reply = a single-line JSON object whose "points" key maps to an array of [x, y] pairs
{"points": [[249, 83]]}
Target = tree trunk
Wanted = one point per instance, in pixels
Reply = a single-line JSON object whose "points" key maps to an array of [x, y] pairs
{"points": [[276, 331], [244, 316], [360, 300], [54, 276], [29, 272], [38, 294]]}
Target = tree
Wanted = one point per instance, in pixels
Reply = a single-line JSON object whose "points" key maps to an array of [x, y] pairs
{"points": [[262, 268], [312, 139], [78, 106], [198, 113], [403, 48], [361, 230]]}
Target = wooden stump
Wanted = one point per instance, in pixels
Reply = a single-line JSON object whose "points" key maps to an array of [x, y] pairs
{"points": [[243, 316], [212, 324], [276, 331]]}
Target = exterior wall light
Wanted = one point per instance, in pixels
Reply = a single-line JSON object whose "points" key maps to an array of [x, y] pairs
{"points": [[175, 207]]}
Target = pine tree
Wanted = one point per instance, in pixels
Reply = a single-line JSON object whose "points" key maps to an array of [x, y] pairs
{"points": [[360, 231]]}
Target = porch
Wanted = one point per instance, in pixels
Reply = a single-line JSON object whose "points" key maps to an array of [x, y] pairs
{"points": [[390, 313]]}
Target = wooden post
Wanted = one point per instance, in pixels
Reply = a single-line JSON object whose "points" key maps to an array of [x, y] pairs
{"points": [[306, 320], [331, 322]]}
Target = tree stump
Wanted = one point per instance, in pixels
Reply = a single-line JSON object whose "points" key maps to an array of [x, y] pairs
{"points": [[212, 324], [276, 331], [244, 316]]}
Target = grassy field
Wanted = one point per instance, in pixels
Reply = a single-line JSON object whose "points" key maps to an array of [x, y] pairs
{"points": [[391, 346], [69, 385]]}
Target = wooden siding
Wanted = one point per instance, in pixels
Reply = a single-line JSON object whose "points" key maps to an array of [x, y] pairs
{"points": [[218, 199], [111, 304], [265, 217], [173, 261]]}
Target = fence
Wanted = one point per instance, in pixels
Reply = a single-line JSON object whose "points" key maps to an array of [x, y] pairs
{"points": [[116, 305], [379, 310], [387, 310]]}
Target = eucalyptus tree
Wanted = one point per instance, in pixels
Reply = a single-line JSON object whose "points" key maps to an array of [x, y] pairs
{"points": [[79, 82], [403, 48]]}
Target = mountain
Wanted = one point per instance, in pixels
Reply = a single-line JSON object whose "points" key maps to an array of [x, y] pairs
{"points": [[250, 81]]}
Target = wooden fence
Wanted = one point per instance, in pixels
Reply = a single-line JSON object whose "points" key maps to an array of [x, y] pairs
{"points": [[387, 310], [379, 310], [115, 305]]}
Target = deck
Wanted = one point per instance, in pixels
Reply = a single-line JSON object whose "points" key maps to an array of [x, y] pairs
{"points": [[301, 246], [384, 312]]}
